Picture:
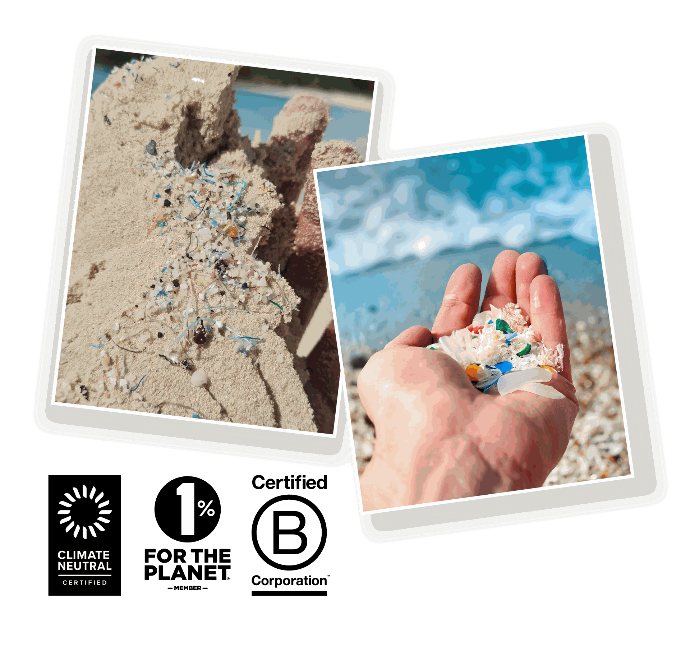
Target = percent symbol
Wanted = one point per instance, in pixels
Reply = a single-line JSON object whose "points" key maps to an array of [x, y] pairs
{"points": [[207, 509]]}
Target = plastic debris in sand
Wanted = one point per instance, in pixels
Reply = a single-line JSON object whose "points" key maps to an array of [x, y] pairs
{"points": [[500, 353]]}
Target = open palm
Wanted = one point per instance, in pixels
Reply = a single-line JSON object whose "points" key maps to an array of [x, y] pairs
{"points": [[438, 437]]}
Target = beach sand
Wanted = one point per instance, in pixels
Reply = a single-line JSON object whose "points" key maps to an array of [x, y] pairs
{"points": [[597, 447], [175, 302]]}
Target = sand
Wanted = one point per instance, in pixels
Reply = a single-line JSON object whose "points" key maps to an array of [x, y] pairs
{"points": [[597, 448], [124, 343]]}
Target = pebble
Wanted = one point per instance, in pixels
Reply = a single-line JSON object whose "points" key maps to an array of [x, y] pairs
{"points": [[151, 148], [199, 377]]}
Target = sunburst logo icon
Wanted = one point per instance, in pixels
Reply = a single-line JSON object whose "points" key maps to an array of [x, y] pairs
{"points": [[84, 511]]}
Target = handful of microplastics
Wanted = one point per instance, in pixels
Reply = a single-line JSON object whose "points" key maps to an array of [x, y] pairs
{"points": [[500, 354]]}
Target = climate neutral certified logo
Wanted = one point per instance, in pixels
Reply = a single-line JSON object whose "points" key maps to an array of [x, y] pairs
{"points": [[84, 512]]}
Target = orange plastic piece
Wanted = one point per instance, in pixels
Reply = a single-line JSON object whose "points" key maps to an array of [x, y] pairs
{"points": [[231, 231], [476, 329], [548, 368], [472, 370]]}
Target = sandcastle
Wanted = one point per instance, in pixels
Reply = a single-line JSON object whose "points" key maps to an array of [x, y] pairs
{"points": [[193, 276]]}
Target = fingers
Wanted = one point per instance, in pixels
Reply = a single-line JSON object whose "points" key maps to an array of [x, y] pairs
{"points": [[419, 336], [460, 301], [500, 288], [547, 317], [528, 267]]}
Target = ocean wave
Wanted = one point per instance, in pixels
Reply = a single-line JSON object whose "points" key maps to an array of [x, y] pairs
{"points": [[513, 195]]}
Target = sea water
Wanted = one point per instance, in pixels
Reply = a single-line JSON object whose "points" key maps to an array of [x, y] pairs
{"points": [[396, 231]]}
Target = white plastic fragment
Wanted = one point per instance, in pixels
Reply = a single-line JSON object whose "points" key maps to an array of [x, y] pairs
{"points": [[199, 377], [515, 380], [544, 390]]}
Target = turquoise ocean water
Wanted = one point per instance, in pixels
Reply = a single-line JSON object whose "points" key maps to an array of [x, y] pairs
{"points": [[396, 231], [257, 111]]}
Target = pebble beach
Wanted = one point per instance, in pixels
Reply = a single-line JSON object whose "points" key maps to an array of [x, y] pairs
{"points": [[597, 447]]}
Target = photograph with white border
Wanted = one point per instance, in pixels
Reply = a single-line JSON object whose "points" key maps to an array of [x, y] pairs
{"points": [[196, 283], [426, 255]]}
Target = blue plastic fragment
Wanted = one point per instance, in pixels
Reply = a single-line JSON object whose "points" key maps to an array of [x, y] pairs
{"points": [[158, 195], [490, 321], [138, 383], [98, 345], [488, 386], [504, 367], [196, 415], [163, 270]]}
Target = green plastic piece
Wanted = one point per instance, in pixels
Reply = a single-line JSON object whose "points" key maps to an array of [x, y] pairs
{"points": [[503, 326], [525, 350], [432, 347]]}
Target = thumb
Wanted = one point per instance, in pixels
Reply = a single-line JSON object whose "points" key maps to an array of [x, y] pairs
{"points": [[418, 336]]}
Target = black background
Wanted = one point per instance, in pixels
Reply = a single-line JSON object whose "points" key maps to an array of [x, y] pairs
{"points": [[304, 518]]}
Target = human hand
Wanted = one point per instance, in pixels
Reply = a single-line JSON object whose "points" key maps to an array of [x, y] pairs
{"points": [[437, 437]]}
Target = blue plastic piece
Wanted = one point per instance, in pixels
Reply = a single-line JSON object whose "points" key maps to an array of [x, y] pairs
{"points": [[138, 383], [488, 386], [504, 367]]}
